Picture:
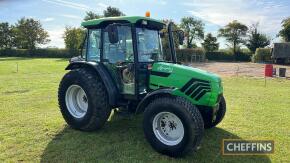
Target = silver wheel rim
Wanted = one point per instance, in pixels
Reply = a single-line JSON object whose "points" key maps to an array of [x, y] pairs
{"points": [[168, 128], [76, 101]]}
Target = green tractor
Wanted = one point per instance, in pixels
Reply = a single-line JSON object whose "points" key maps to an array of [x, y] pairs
{"points": [[122, 65]]}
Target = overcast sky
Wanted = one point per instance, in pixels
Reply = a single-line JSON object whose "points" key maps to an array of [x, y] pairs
{"points": [[56, 14]]}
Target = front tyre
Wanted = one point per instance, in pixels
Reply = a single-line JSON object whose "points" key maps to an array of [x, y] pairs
{"points": [[173, 126], [220, 114], [83, 100]]}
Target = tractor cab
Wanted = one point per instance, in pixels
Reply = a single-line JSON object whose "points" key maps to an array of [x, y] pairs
{"points": [[127, 47]]}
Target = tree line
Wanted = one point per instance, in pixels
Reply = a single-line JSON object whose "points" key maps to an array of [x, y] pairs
{"points": [[28, 33], [235, 33]]}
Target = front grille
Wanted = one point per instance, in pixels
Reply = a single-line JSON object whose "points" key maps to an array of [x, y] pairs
{"points": [[196, 88]]}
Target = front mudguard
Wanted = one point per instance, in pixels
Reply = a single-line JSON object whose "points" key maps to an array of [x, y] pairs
{"points": [[151, 96]]}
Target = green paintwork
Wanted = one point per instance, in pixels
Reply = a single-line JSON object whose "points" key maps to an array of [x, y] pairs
{"points": [[130, 19], [180, 75]]}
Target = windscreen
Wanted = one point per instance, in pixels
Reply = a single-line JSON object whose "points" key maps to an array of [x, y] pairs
{"points": [[149, 45]]}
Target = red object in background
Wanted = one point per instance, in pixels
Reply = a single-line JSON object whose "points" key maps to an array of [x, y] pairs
{"points": [[269, 70]]}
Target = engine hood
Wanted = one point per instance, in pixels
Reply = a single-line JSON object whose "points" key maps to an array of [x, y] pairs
{"points": [[198, 86], [185, 71]]}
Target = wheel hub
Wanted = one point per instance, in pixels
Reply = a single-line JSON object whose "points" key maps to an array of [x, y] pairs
{"points": [[76, 101], [168, 128]]}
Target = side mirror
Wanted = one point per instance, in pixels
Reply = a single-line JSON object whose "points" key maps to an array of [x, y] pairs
{"points": [[113, 33], [180, 36]]}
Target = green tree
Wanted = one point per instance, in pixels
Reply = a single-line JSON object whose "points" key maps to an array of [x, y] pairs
{"points": [[91, 15], [210, 43], [113, 11], [29, 33], [193, 28], [256, 39], [6, 35], [109, 12], [234, 33], [73, 38], [165, 41], [285, 32]]}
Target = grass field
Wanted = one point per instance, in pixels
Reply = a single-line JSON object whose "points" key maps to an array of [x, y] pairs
{"points": [[33, 130]]}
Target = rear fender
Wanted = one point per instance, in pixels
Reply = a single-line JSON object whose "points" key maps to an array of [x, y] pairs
{"points": [[102, 72]]}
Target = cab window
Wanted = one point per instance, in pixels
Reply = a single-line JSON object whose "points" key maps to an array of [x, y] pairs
{"points": [[121, 51], [93, 51], [149, 45]]}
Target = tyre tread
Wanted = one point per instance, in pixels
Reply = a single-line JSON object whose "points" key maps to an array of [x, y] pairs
{"points": [[195, 117], [97, 91]]}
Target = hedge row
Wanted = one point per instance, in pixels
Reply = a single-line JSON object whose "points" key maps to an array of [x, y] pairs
{"points": [[198, 54], [183, 55], [262, 55], [228, 56], [187, 55], [42, 53]]}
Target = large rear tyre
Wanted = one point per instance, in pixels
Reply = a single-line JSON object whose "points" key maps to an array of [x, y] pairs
{"points": [[83, 100], [220, 114], [173, 126]]}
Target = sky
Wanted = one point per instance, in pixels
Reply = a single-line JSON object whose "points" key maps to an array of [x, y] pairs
{"points": [[55, 15]]}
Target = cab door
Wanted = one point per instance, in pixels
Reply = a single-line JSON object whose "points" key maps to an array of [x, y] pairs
{"points": [[119, 59]]}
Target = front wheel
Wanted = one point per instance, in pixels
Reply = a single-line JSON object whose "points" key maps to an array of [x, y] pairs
{"points": [[173, 126], [220, 114]]}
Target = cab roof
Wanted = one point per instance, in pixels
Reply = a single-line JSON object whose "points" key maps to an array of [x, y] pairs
{"points": [[121, 19]]}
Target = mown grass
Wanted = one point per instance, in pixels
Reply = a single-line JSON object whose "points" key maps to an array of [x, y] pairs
{"points": [[33, 130]]}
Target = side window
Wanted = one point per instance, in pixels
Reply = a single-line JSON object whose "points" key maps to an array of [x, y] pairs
{"points": [[93, 51], [121, 51], [84, 48]]}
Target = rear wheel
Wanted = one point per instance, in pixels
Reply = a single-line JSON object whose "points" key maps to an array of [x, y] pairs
{"points": [[76, 101], [173, 126], [83, 100]]}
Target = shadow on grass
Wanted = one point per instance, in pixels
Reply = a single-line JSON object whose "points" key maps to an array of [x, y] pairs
{"points": [[31, 58], [211, 149], [123, 140], [15, 58], [63, 59]]}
